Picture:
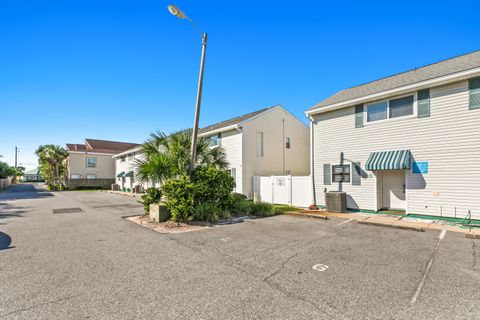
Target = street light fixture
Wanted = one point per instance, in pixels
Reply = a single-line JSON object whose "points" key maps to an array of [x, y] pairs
{"points": [[177, 12]]}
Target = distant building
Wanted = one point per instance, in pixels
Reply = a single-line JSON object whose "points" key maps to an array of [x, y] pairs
{"points": [[91, 164], [32, 176]]}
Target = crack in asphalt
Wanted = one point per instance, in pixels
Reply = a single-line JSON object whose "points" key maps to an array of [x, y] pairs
{"points": [[38, 305], [282, 266], [474, 254]]}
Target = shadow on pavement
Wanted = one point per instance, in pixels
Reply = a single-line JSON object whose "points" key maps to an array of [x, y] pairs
{"points": [[5, 241], [22, 192]]}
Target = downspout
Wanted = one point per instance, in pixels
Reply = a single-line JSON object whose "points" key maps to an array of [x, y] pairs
{"points": [[312, 158]]}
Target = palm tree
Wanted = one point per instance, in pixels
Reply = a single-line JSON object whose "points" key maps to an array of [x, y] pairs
{"points": [[168, 156], [51, 158]]}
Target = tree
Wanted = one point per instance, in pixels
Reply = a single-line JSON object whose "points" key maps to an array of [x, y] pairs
{"points": [[6, 171], [51, 159], [168, 156]]}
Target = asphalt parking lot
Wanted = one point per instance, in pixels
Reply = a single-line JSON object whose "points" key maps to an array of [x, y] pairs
{"points": [[94, 264]]}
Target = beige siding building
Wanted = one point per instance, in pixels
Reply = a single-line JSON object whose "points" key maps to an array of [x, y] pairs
{"points": [[430, 116], [270, 141], [91, 162]]}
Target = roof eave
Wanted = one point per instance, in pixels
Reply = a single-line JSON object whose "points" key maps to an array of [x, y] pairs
{"points": [[458, 76], [227, 128]]}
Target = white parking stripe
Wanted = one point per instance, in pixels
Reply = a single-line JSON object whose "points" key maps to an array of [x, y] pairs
{"points": [[344, 222], [427, 269]]}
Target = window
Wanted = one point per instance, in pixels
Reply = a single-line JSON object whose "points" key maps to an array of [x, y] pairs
{"points": [[423, 103], [122, 159], [259, 144], [75, 176], [341, 173], [287, 143], [91, 176], [233, 173], [401, 107], [215, 139], [389, 109], [91, 162], [377, 111], [474, 93]]}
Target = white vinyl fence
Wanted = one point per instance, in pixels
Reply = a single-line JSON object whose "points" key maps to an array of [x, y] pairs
{"points": [[292, 190]]}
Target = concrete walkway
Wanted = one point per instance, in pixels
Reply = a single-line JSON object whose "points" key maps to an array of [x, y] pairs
{"points": [[392, 221]]}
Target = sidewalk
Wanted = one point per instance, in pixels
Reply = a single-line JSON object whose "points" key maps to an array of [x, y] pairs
{"points": [[130, 194], [399, 222]]}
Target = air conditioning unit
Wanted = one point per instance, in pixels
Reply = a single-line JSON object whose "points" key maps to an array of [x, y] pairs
{"points": [[336, 201], [115, 187]]}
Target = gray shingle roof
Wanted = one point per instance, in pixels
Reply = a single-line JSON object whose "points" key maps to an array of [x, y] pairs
{"points": [[233, 121], [435, 70]]}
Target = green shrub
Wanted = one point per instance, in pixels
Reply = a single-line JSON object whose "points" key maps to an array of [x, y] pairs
{"points": [[151, 195], [213, 186], [238, 196], [242, 207], [208, 212], [179, 197], [263, 209]]}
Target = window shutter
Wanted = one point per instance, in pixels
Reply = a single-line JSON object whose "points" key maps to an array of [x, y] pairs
{"points": [[359, 116], [327, 175], [474, 93], [356, 174], [423, 103]]}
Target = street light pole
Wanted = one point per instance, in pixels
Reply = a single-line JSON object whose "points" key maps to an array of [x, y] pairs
{"points": [[177, 12], [193, 151]]}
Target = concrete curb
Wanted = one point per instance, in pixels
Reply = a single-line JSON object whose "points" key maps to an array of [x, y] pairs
{"points": [[392, 225], [310, 215], [472, 235]]}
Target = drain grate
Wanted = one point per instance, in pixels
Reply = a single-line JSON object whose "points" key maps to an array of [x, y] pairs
{"points": [[66, 210]]}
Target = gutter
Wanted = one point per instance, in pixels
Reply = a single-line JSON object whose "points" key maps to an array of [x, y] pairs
{"points": [[459, 76], [312, 158], [228, 128]]}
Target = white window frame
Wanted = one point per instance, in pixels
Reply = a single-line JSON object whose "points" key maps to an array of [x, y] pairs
{"points": [[91, 175], [75, 176], [413, 115], [86, 162], [259, 148]]}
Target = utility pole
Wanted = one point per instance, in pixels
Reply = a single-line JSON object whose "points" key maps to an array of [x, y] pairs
{"points": [[16, 151]]}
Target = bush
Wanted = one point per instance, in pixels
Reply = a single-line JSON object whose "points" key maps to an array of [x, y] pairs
{"points": [[208, 212], [179, 196], [242, 207], [151, 195], [238, 196], [263, 209], [213, 186]]}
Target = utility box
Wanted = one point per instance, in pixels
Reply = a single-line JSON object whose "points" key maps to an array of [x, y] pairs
{"points": [[137, 189], [336, 201], [115, 187]]}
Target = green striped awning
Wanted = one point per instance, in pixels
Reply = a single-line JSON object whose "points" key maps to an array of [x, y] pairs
{"points": [[129, 174], [121, 174], [388, 160]]}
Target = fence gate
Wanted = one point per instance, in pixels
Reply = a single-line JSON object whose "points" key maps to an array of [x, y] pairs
{"points": [[292, 190]]}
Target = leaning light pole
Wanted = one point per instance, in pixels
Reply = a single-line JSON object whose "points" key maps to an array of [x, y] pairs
{"points": [[179, 14]]}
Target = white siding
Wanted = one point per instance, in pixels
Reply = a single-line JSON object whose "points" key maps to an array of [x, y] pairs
{"points": [[449, 140], [271, 163], [231, 142]]}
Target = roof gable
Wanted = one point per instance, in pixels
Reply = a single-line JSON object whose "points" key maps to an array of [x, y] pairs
{"points": [[432, 71]]}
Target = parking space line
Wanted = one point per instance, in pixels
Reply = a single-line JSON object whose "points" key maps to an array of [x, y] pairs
{"points": [[344, 222], [414, 299]]}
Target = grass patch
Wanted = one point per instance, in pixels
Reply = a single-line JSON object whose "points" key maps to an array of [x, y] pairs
{"points": [[284, 208]]}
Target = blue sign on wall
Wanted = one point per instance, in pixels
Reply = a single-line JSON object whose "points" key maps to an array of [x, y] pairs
{"points": [[420, 167]]}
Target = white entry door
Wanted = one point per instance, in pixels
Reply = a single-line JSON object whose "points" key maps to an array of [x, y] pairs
{"points": [[393, 189]]}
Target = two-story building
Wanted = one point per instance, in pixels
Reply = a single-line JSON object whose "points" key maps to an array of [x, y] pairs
{"points": [[91, 164], [408, 142], [125, 167], [270, 141]]}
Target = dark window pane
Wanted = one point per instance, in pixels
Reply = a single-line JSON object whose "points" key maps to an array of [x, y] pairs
{"points": [[377, 111], [401, 107]]}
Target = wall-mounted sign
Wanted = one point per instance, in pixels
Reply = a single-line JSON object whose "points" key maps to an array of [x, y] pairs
{"points": [[420, 167], [280, 182]]}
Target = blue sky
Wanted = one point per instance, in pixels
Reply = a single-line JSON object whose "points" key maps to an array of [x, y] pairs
{"points": [[118, 70]]}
